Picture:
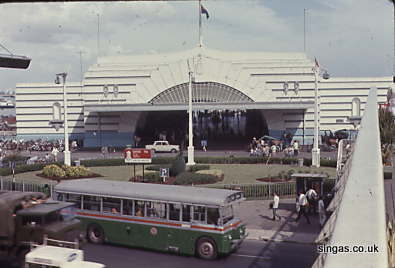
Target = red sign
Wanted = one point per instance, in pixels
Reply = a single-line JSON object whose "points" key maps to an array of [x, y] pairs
{"points": [[137, 155]]}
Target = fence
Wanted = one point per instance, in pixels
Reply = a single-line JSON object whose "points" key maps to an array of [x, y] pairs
{"points": [[251, 191], [261, 190], [9, 185]]}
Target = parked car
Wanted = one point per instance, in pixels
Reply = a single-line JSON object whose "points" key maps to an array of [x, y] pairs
{"points": [[163, 146]]}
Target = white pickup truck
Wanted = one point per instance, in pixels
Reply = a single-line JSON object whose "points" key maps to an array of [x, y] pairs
{"points": [[163, 146]]}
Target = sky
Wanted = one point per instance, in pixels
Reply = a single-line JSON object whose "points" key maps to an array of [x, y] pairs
{"points": [[348, 37]]}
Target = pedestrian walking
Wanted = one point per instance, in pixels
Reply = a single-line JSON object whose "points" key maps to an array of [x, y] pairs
{"points": [[276, 201], [55, 152], [303, 207], [295, 146], [312, 197], [321, 211]]}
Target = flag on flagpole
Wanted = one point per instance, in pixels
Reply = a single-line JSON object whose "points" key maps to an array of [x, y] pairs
{"points": [[204, 11]]}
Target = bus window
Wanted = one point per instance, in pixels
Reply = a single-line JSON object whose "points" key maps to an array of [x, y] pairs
{"points": [[186, 213], [75, 198], [127, 208], [199, 214], [227, 213], [91, 202], [111, 205], [139, 208], [213, 216], [174, 212], [156, 210]]}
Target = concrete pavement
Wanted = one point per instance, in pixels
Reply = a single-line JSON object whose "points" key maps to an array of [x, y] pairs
{"points": [[258, 219]]}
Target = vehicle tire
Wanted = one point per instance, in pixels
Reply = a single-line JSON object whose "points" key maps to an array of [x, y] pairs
{"points": [[95, 234], [173, 151], [206, 248]]}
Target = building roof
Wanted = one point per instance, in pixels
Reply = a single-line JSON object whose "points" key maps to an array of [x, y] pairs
{"points": [[148, 191]]}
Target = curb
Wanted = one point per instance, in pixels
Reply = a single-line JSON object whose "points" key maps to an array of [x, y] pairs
{"points": [[274, 239]]}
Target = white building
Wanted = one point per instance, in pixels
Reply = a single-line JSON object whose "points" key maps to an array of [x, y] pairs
{"points": [[117, 92]]}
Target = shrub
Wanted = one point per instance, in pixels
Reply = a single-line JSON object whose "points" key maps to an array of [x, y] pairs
{"points": [[178, 166], [152, 177], [188, 178], [15, 158], [196, 168], [216, 172], [76, 171], [54, 171], [157, 167]]}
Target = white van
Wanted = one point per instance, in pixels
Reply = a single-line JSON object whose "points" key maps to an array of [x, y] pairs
{"points": [[46, 256]]}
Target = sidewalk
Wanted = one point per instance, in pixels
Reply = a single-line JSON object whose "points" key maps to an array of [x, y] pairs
{"points": [[257, 217]]}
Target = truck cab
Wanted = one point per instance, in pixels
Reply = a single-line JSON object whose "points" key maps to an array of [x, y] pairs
{"points": [[27, 216], [52, 218]]}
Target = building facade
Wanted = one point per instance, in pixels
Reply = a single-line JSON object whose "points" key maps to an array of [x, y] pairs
{"points": [[118, 92]]}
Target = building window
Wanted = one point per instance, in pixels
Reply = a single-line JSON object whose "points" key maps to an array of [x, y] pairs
{"points": [[356, 107]]}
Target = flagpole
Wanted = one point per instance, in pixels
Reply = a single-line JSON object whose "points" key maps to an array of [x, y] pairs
{"points": [[200, 24]]}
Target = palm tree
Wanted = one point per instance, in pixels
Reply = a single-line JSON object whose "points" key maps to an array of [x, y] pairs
{"points": [[387, 133]]}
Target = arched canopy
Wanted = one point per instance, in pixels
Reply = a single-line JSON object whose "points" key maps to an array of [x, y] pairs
{"points": [[201, 92]]}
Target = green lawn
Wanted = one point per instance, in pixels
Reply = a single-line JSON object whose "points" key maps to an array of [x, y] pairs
{"points": [[233, 173]]}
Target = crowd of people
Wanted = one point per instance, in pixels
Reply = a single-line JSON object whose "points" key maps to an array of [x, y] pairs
{"points": [[31, 145], [260, 147]]}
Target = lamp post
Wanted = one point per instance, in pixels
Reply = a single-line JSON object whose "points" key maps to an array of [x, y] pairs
{"points": [[191, 149], [66, 152], [315, 153]]}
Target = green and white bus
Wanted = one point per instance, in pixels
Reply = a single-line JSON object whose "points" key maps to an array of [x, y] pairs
{"points": [[183, 219]]}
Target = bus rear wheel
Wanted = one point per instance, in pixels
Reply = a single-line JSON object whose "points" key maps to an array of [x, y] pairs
{"points": [[206, 248], [95, 234]]}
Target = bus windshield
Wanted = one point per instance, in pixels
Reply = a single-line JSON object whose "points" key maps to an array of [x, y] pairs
{"points": [[227, 213]]}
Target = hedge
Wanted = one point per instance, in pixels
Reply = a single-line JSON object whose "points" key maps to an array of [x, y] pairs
{"points": [[212, 160], [196, 168], [121, 161], [188, 178]]}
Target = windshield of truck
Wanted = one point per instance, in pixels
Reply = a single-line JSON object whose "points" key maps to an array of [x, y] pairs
{"points": [[31, 221], [227, 213]]}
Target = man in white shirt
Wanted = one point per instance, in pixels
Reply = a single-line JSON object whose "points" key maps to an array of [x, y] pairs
{"points": [[303, 206], [312, 197], [276, 201]]}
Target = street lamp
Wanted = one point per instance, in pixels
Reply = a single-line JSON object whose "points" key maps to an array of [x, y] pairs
{"points": [[315, 153], [66, 152], [191, 149]]}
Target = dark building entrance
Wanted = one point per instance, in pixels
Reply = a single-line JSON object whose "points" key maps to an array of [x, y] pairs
{"points": [[223, 129]]}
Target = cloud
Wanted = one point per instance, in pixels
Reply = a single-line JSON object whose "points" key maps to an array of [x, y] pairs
{"points": [[347, 37]]}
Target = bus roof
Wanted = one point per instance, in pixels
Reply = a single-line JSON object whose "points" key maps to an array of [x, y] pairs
{"points": [[150, 191]]}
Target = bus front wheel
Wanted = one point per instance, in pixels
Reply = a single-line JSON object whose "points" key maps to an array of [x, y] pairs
{"points": [[206, 248], [95, 234]]}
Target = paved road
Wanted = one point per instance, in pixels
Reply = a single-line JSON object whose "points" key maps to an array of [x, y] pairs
{"points": [[252, 254]]}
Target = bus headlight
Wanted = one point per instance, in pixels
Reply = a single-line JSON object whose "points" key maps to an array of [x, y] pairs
{"points": [[230, 237]]}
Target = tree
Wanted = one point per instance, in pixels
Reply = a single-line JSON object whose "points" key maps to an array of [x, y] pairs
{"points": [[387, 133]]}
